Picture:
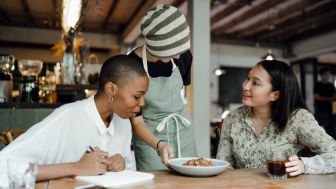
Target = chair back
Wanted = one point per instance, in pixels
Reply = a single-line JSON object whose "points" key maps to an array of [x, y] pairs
{"points": [[7, 137]]}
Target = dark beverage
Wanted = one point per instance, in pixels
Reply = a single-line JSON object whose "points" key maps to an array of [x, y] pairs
{"points": [[275, 163], [276, 169]]}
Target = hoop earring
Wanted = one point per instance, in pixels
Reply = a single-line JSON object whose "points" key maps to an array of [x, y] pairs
{"points": [[111, 98]]}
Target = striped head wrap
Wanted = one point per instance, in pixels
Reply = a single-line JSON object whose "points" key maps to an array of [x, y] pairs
{"points": [[166, 31]]}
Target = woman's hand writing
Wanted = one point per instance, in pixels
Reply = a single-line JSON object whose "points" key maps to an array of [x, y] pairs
{"points": [[93, 163]]}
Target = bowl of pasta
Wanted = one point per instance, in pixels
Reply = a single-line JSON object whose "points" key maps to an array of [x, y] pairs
{"points": [[194, 166]]}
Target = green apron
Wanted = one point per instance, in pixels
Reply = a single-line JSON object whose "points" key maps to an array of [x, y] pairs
{"points": [[166, 116]]}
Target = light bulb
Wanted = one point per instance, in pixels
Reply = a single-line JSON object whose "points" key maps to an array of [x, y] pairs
{"points": [[218, 72], [269, 57]]}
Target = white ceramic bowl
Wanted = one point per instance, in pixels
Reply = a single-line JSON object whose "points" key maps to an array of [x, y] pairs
{"points": [[177, 165]]}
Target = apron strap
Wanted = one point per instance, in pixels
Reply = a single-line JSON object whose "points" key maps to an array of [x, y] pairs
{"points": [[164, 123], [145, 64], [144, 60]]}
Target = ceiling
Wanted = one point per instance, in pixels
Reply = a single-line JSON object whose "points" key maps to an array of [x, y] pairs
{"points": [[271, 21], [279, 21]]}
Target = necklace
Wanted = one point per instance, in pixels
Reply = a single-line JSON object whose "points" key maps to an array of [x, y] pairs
{"points": [[258, 124]]}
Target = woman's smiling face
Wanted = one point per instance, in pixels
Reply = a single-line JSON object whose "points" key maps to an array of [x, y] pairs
{"points": [[257, 88]]}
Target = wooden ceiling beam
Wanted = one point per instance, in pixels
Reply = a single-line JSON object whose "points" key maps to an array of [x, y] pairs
{"points": [[56, 7], [231, 8], [321, 29], [287, 25], [132, 30], [316, 23], [132, 17], [110, 12], [264, 6], [50, 37], [263, 23], [26, 9]]}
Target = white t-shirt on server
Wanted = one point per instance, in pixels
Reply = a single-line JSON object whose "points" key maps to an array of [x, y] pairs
{"points": [[65, 135]]}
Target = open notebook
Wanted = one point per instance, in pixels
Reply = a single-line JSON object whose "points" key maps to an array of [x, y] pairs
{"points": [[117, 179]]}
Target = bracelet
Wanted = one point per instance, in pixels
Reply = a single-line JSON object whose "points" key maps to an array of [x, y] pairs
{"points": [[157, 147]]}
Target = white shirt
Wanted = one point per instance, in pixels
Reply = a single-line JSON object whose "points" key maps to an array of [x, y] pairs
{"points": [[65, 135]]}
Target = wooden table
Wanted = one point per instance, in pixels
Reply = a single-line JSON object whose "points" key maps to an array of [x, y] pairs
{"points": [[239, 178]]}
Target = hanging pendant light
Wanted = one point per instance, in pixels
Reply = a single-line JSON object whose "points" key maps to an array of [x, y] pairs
{"points": [[219, 71], [268, 56]]}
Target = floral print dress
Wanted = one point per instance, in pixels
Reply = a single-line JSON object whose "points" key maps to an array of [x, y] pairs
{"points": [[240, 145]]}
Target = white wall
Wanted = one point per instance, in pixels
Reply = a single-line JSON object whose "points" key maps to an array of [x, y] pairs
{"points": [[238, 55], [233, 56], [314, 46]]}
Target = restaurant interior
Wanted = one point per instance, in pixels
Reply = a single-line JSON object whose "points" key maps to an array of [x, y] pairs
{"points": [[50, 56]]}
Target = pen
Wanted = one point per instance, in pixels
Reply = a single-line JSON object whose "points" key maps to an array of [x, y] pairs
{"points": [[89, 149]]}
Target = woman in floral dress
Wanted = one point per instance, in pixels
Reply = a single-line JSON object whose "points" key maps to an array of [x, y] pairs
{"points": [[274, 116]]}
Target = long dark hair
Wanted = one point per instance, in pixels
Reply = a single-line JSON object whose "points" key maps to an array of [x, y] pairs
{"points": [[290, 98]]}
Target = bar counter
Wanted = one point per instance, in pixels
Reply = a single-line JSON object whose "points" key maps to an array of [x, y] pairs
{"points": [[21, 116], [17, 105]]}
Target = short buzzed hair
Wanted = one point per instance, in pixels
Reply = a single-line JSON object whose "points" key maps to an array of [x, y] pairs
{"points": [[119, 69]]}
